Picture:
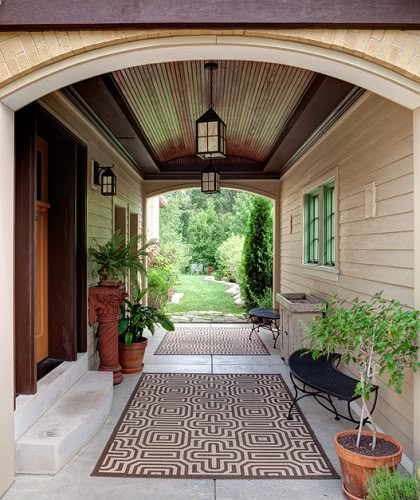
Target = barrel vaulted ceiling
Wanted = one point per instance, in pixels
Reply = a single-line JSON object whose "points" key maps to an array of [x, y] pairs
{"points": [[273, 113]]}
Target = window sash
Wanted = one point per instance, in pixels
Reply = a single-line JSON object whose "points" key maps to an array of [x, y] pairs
{"points": [[319, 211], [329, 226], [312, 228]]}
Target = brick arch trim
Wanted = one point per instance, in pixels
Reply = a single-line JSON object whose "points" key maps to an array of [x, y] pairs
{"points": [[22, 53]]}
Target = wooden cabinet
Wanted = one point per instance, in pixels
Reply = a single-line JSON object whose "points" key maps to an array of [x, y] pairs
{"points": [[296, 310]]}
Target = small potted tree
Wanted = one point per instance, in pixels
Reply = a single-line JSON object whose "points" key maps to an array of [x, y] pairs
{"points": [[135, 318], [379, 337]]}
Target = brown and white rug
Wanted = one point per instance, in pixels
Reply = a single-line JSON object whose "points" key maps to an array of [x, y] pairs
{"points": [[212, 340], [215, 427]]}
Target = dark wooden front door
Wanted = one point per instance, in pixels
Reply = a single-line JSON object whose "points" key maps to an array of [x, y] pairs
{"points": [[50, 242]]}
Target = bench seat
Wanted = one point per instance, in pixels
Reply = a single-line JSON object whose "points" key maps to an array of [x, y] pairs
{"points": [[321, 379]]}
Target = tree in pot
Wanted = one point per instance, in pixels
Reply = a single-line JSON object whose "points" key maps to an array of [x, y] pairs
{"points": [[135, 318], [113, 260], [380, 338]]}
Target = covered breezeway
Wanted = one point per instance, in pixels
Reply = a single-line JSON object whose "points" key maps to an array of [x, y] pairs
{"points": [[32, 85]]}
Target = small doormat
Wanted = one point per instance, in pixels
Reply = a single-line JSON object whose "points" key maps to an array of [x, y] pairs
{"points": [[212, 340], [214, 427]]}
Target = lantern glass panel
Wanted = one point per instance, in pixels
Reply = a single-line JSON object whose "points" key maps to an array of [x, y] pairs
{"points": [[202, 144], [202, 129], [213, 143], [212, 128]]}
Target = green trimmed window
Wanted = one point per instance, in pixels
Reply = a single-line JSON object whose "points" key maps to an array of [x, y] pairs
{"points": [[320, 226]]}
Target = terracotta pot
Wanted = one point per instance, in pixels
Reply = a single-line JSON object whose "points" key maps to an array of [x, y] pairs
{"points": [[105, 280], [131, 358], [356, 467]]}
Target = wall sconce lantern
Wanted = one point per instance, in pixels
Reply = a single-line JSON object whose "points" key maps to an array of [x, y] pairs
{"points": [[105, 177], [210, 180], [210, 128]]}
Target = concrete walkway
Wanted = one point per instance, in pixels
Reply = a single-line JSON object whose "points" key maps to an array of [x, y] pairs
{"points": [[74, 481]]}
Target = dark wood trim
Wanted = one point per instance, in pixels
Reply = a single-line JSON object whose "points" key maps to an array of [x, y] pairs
{"points": [[291, 122], [126, 109], [54, 14], [74, 97], [185, 176], [25, 186], [325, 103], [346, 104], [81, 247]]}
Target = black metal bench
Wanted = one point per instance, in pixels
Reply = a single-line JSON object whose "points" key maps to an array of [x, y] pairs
{"points": [[320, 379]]}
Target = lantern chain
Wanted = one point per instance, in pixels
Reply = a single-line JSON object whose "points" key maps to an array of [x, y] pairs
{"points": [[211, 87]]}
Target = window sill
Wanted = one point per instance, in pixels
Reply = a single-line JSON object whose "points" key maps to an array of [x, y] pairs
{"points": [[323, 272]]}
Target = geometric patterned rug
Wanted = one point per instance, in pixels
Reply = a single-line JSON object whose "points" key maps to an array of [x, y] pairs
{"points": [[214, 427], [213, 340]]}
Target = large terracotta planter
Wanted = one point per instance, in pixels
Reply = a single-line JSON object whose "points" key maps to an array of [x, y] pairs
{"points": [[131, 358], [356, 467]]}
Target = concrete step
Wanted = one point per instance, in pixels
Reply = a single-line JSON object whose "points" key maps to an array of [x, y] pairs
{"points": [[67, 426], [49, 390]]}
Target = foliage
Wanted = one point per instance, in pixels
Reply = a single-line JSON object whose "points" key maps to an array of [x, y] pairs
{"points": [[228, 257], [386, 485], [136, 317], [266, 300], [114, 259], [177, 254], [379, 336], [189, 215], [161, 276], [203, 295], [257, 257], [206, 233]]}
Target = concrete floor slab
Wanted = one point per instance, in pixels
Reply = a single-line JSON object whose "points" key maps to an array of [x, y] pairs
{"points": [[74, 480]]}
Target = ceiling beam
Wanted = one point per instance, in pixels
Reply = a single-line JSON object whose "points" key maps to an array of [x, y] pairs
{"points": [[105, 105], [322, 101]]}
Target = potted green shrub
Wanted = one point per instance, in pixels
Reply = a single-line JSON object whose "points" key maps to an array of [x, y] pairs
{"points": [[113, 260], [384, 484], [135, 318], [379, 337]]}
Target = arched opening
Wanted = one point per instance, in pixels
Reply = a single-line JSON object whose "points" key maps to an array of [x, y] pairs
{"points": [[288, 192], [198, 255]]}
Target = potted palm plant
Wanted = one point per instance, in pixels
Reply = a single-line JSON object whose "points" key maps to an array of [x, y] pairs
{"points": [[135, 318], [113, 259], [379, 337]]}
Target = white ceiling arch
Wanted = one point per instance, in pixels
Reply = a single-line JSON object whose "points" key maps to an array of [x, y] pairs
{"points": [[346, 67]]}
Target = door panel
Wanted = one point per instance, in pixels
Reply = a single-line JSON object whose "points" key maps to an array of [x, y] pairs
{"points": [[41, 271], [62, 245]]}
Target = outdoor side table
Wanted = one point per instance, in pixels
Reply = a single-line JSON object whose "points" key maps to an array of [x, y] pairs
{"points": [[265, 318]]}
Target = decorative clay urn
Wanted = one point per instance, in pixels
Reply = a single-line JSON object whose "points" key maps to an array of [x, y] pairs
{"points": [[104, 308]]}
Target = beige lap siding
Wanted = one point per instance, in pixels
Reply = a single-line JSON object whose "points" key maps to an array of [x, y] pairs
{"points": [[372, 143], [100, 210]]}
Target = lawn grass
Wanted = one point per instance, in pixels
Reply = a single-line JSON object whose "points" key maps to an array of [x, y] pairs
{"points": [[202, 295]]}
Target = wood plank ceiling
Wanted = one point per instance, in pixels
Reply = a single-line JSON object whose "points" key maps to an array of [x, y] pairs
{"points": [[270, 110]]}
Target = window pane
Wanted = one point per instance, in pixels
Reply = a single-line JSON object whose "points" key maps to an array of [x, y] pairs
{"points": [[329, 229], [312, 229]]}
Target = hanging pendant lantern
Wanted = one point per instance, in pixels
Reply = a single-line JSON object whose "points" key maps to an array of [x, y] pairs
{"points": [[210, 128], [210, 180]]}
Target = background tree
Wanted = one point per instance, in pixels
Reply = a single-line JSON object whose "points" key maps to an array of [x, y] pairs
{"points": [[257, 257]]}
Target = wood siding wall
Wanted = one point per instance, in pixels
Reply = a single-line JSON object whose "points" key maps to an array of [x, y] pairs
{"points": [[100, 209], [372, 144]]}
